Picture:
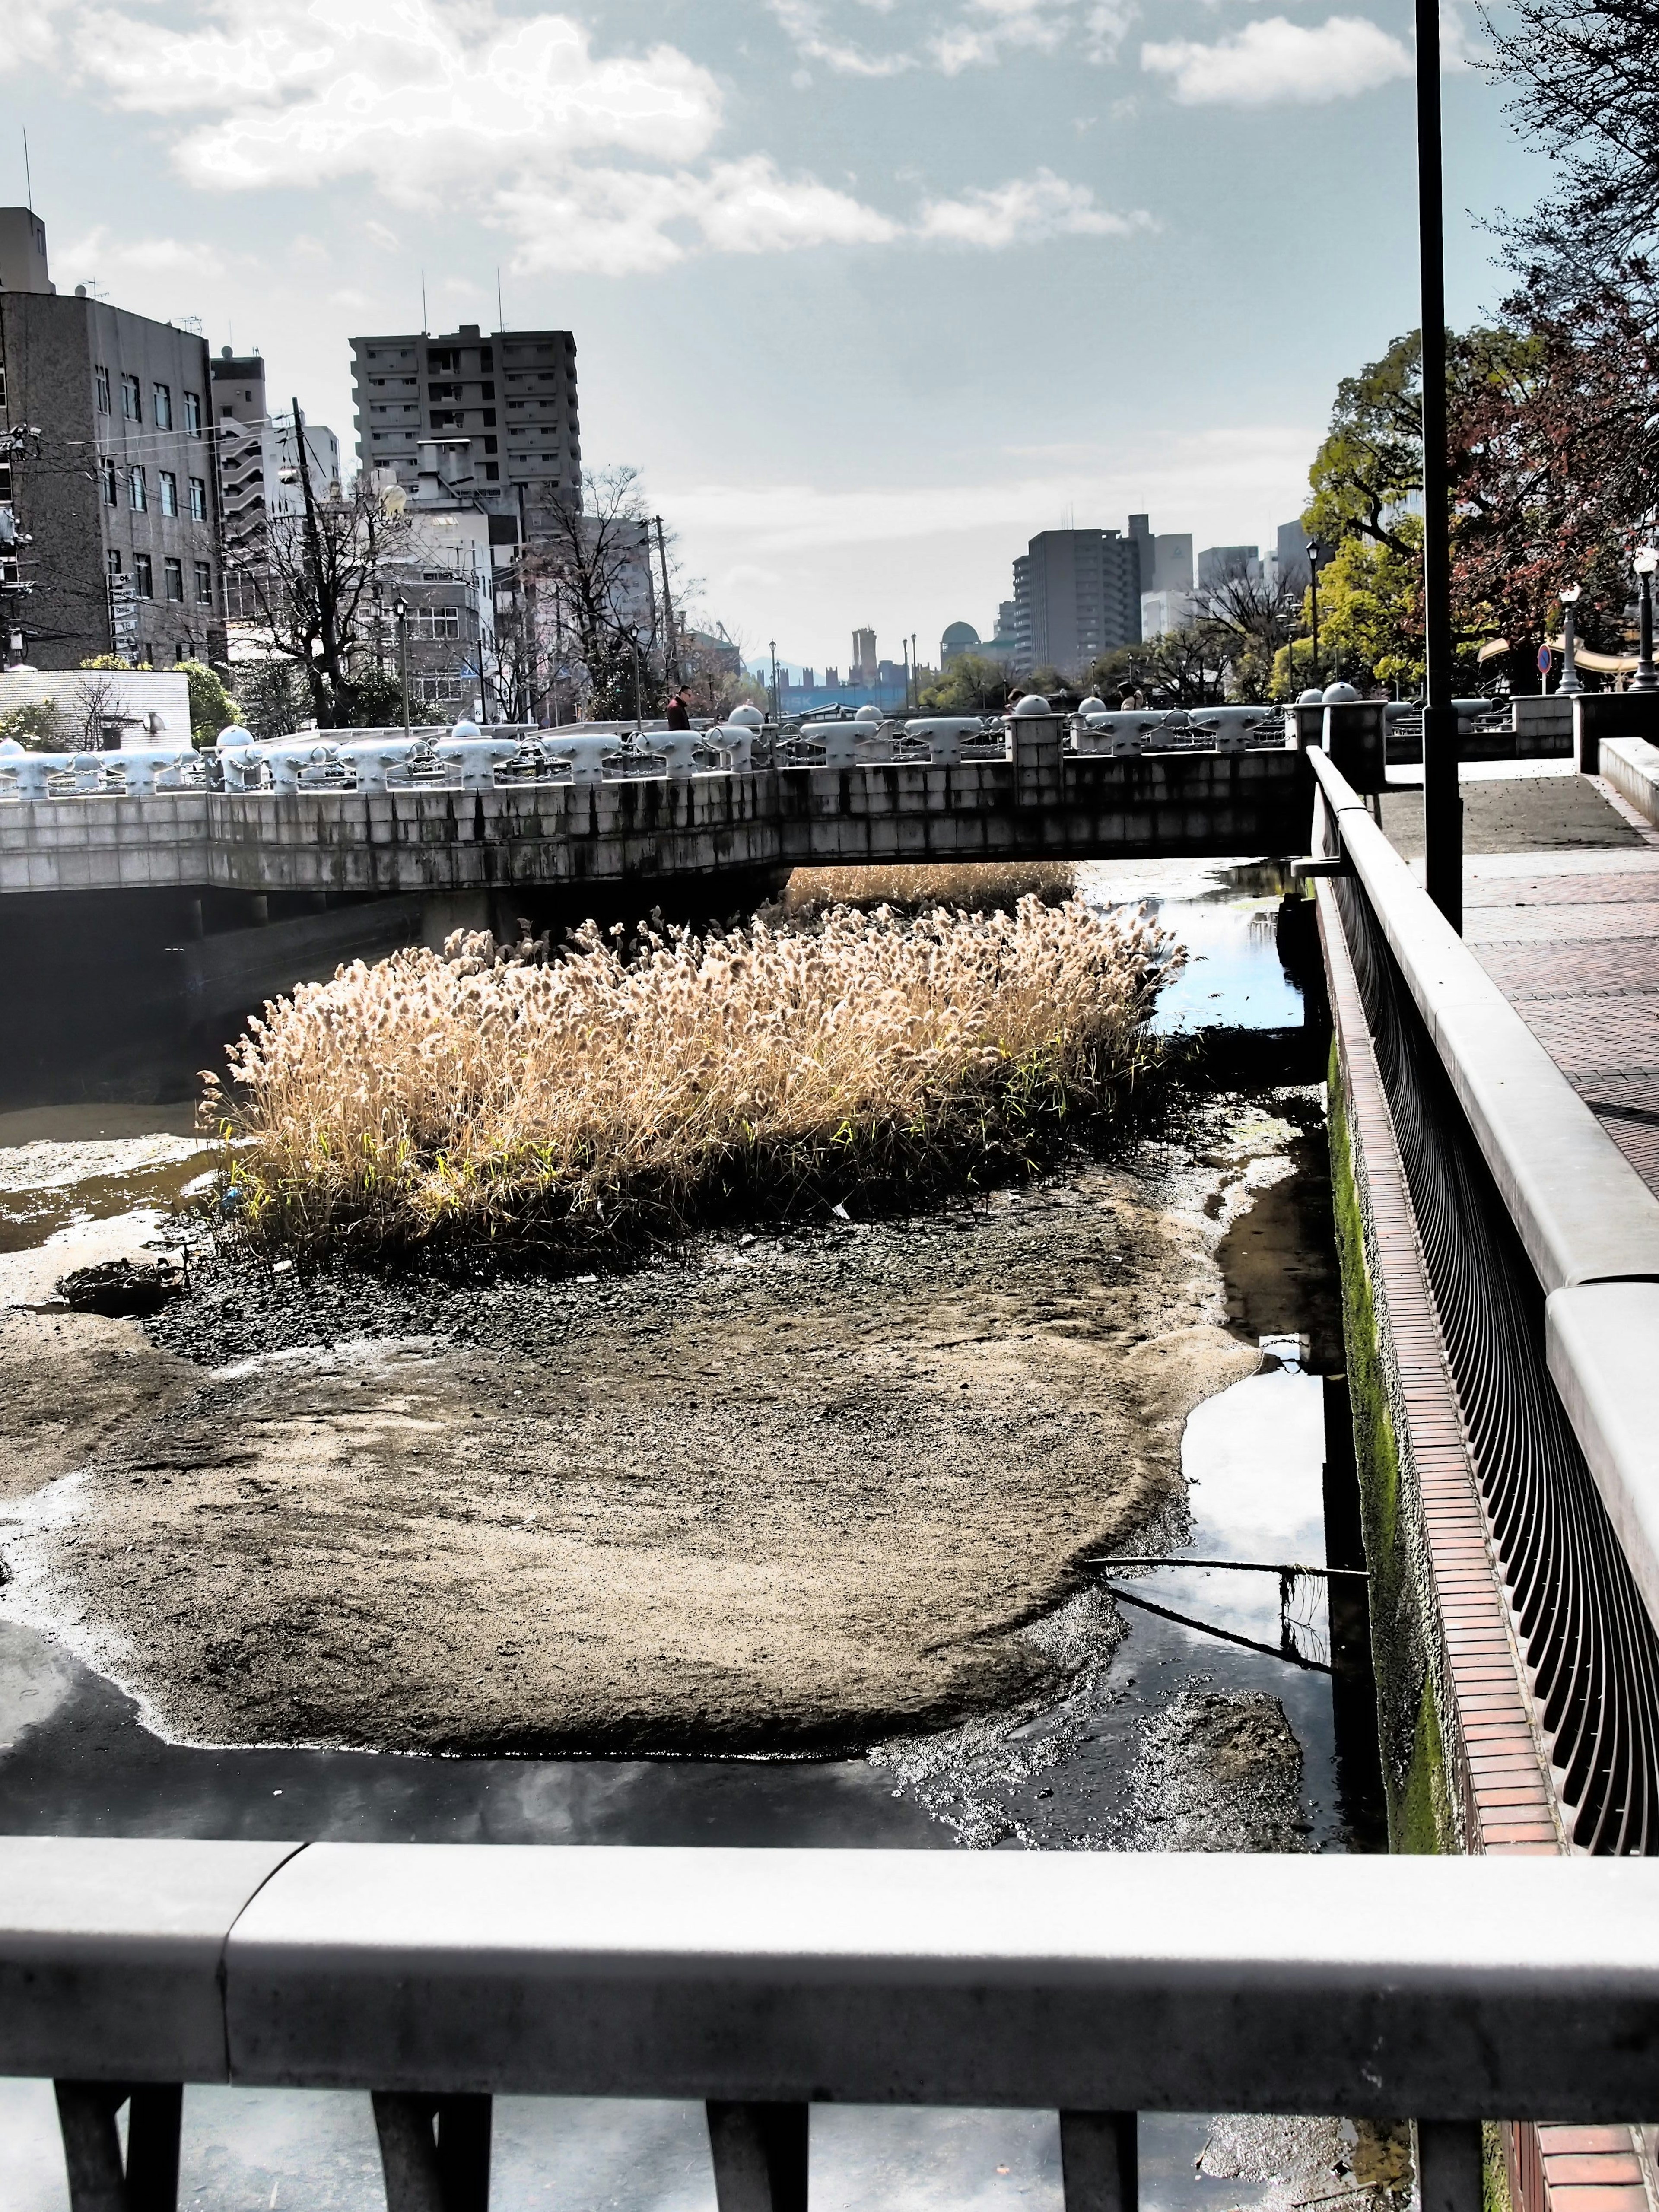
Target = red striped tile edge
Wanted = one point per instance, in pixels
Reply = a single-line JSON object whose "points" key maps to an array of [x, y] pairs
{"points": [[1488, 1723]]}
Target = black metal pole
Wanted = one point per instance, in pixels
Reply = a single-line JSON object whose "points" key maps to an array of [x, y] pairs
{"points": [[1443, 815]]}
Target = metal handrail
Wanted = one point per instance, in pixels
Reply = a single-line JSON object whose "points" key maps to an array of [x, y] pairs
{"points": [[1097, 1985]]}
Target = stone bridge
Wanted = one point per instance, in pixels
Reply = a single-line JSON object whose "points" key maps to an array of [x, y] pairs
{"points": [[1043, 804]]}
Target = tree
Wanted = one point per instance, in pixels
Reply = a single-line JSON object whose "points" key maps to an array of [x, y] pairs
{"points": [[970, 684], [211, 706], [1585, 88], [1246, 618], [1181, 668], [37, 725], [1372, 460], [310, 580], [276, 698], [597, 571]]}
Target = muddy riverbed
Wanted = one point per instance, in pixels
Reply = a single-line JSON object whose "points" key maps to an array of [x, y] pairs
{"points": [[851, 1487]]}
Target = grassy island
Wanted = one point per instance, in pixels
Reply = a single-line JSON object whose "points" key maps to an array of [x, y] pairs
{"points": [[620, 1090]]}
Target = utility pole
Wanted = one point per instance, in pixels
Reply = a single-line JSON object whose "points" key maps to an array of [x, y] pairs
{"points": [[401, 611], [777, 699], [668, 611], [1443, 810], [327, 633]]}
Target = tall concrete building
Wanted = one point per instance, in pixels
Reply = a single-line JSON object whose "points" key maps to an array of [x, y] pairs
{"points": [[1077, 595], [1222, 564], [503, 406], [1292, 555], [863, 669], [259, 480], [116, 495]]}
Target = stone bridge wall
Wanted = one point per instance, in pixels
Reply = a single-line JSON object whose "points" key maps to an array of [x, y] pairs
{"points": [[437, 841]]}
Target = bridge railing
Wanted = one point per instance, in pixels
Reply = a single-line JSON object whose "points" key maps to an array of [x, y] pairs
{"points": [[1097, 1985], [380, 761], [1541, 1245]]}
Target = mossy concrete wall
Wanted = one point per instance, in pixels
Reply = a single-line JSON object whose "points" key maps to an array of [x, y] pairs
{"points": [[1424, 1802]]}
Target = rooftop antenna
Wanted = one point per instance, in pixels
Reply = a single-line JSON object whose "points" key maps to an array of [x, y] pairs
{"points": [[501, 311], [28, 180], [424, 331]]}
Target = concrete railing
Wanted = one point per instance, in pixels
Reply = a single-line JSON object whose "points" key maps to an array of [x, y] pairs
{"points": [[1096, 1985], [1590, 1223], [378, 762]]}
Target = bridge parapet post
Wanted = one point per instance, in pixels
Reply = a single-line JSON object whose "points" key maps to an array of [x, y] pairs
{"points": [[1034, 736], [1354, 740]]}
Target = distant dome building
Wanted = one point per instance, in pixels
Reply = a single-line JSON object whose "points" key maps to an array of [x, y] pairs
{"points": [[960, 637]]}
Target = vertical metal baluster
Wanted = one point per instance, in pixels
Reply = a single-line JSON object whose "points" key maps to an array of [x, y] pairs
{"points": [[153, 2123], [1449, 2165], [760, 2154], [434, 2151], [99, 2181], [1099, 2161]]}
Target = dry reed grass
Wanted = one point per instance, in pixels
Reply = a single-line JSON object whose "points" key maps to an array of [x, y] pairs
{"points": [[975, 886], [620, 1093]]}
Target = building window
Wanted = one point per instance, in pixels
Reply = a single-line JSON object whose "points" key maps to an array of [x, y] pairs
{"points": [[132, 406], [205, 583], [489, 418], [113, 558], [5, 483], [162, 406], [192, 411], [173, 575], [437, 621], [489, 443], [167, 485], [101, 383], [492, 471], [198, 499], [106, 478], [144, 581], [137, 491]]}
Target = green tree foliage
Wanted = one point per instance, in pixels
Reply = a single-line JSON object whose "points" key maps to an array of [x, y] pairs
{"points": [[1183, 668], [274, 696], [971, 685], [1370, 608], [1371, 460], [37, 725], [212, 709]]}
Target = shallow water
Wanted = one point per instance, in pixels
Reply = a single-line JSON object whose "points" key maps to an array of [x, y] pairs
{"points": [[74, 1757]]}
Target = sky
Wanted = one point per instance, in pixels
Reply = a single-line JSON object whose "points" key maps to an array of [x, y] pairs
{"points": [[870, 291]]}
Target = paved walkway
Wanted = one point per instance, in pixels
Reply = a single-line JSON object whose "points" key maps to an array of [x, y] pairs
{"points": [[1561, 905]]}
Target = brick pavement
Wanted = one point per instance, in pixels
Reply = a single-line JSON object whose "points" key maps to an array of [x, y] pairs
{"points": [[1569, 936], [1570, 939]]}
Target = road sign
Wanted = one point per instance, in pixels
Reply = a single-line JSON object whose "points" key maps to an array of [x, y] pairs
{"points": [[1545, 661]]}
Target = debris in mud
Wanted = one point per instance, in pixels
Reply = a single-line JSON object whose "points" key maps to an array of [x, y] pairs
{"points": [[122, 1289], [1219, 1770], [1361, 2166]]}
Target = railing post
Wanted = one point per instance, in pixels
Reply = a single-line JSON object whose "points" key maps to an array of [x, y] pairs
{"points": [[1449, 2165], [434, 2151], [1099, 2161], [760, 2154], [92, 2146]]}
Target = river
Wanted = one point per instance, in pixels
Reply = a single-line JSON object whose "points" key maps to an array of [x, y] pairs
{"points": [[1206, 1707]]}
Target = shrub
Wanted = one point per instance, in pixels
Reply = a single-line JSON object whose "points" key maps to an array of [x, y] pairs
{"points": [[975, 886], [618, 1095]]}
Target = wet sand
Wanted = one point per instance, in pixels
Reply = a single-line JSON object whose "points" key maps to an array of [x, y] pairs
{"points": [[786, 1493]]}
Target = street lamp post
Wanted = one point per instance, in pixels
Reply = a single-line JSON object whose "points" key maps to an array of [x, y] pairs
{"points": [[1312, 585], [1443, 809], [1569, 685], [400, 611], [1646, 677], [638, 709], [777, 699]]}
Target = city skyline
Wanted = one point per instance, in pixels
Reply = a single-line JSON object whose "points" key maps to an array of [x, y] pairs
{"points": [[867, 295]]}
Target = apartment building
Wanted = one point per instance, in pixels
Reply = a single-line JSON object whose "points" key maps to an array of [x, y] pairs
{"points": [[260, 459], [503, 404], [1077, 595], [116, 494]]}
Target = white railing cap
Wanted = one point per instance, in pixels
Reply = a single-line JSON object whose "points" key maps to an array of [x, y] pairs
{"points": [[111, 1953], [1583, 1212]]}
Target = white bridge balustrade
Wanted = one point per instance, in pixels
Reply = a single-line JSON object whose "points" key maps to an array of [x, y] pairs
{"points": [[1097, 1985]]}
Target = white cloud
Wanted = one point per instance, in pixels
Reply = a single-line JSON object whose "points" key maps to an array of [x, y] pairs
{"points": [[1026, 208], [980, 34], [589, 160], [30, 33], [1276, 62], [100, 252]]}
